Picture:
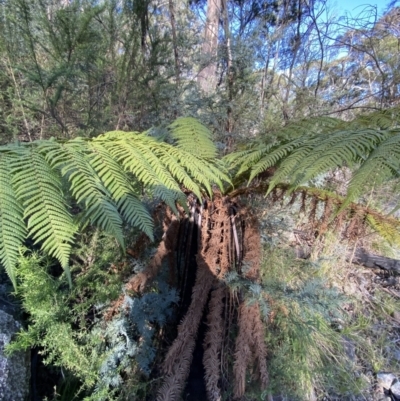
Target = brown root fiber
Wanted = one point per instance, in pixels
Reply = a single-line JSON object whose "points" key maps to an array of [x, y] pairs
{"points": [[166, 248], [213, 344], [178, 359], [250, 347]]}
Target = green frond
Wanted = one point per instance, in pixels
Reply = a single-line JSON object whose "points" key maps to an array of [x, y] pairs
{"points": [[133, 152], [198, 169], [192, 171], [280, 152], [320, 154], [38, 188], [102, 175], [170, 197], [12, 226], [176, 169], [193, 137], [371, 143], [246, 160], [118, 185], [382, 164], [73, 161]]}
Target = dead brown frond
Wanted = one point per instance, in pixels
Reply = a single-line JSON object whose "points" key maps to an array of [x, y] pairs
{"points": [[250, 347], [251, 249], [228, 237], [177, 361], [213, 344]]}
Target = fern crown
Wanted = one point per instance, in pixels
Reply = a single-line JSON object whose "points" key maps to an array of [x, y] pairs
{"points": [[103, 178]]}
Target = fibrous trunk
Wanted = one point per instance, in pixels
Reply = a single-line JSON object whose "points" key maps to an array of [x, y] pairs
{"points": [[228, 242]]}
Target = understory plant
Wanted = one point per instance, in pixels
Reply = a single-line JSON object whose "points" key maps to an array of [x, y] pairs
{"points": [[77, 333]]}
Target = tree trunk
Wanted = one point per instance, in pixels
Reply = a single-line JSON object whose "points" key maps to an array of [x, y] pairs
{"points": [[207, 76], [174, 39], [229, 62]]}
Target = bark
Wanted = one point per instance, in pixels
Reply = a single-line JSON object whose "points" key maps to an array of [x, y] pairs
{"points": [[360, 256], [174, 39], [229, 60], [207, 76], [366, 259]]}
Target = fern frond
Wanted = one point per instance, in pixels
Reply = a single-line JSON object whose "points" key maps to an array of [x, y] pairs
{"points": [[38, 188], [382, 163], [248, 158], [342, 148], [72, 159], [176, 169], [102, 176], [136, 156], [387, 228], [322, 153], [170, 197], [12, 226], [193, 137], [278, 153], [194, 173], [371, 142], [118, 185]]}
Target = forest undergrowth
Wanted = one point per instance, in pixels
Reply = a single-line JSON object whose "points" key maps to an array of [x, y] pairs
{"points": [[322, 327]]}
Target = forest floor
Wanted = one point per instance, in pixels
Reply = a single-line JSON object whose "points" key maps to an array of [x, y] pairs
{"points": [[369, 326]]}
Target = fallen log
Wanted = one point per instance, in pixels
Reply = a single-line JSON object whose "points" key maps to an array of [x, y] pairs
{"points": [[361, 257]]}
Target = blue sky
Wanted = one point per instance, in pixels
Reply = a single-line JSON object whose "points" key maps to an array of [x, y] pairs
{"points": [[355, 7]]}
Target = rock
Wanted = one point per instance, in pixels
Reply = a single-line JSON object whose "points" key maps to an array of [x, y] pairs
{"points": [[14, 369], [396, 316], [385, 379], [396, 355], [395, 389], [349, 348]]}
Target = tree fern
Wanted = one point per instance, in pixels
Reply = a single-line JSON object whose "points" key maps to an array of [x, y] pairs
{"points": [[103, 177], [370, 142]]}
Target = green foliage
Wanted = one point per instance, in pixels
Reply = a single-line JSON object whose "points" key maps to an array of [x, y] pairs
{"points": [[48, 305], [69, 325], [12, 227], [306, 351], [371, 142], [103, 178]]}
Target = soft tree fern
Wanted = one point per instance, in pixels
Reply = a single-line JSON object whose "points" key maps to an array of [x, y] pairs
{"points": [[370, 145], [105, 177]]}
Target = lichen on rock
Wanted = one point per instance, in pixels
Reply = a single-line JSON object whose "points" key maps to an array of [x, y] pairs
{"points": [[15, 368]]}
